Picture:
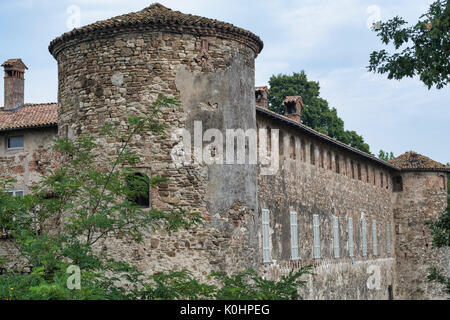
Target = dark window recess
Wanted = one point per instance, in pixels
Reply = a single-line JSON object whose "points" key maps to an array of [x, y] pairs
{"points": [[15, 142], [291, 108], [390, 293], [139, 185], [398, 184], [312, 154]]}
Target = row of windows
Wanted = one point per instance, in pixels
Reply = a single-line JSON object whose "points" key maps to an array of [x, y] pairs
{"points": [[317, 237], [320, 158]]}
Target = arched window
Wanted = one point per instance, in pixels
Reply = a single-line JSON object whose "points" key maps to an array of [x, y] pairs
{"points": [[139, 189]]}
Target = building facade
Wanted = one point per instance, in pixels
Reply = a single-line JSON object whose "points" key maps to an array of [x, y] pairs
{"points": [[359, 220]]}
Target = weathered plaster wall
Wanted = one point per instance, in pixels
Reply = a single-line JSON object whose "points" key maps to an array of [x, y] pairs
{"points": [[424, 198], [318, 189], [27, 165]]}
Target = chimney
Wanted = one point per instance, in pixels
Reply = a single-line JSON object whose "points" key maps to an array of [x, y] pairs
{"points": [[262, 95], [293, 108], [14, 83]]}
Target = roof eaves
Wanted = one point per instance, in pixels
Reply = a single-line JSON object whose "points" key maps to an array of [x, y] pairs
{"points": [[325, 137]]}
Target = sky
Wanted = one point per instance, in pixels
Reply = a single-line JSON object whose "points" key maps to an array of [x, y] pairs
{"points": [[330, 40]]}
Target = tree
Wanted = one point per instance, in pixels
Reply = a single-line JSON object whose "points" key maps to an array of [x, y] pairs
{"points": [[75, 207], [316, 112], [386, 156], [422, 49]]}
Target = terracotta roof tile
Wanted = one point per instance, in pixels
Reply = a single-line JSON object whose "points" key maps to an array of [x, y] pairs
{"points": [[29, 116], [18, 63], [416, 162], [159, 18], [294, 99]]}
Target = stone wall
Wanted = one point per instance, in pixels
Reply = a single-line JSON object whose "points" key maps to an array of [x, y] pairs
{"points": [[319, 189], [424, 198], [108, 79]]}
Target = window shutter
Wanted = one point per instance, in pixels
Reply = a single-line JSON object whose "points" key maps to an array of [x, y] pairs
{"points": [[265, 235], [294, 236], [388, 237], [364, 237], [336, 236], [374, 237], [350, 237], [316, 236]]}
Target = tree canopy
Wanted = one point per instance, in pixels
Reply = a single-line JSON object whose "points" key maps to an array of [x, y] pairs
{"points": [[316, 113], [422, 49], [386, 156]]}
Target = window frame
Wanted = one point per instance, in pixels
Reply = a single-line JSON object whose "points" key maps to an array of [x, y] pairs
{"points": [[7, 142]]}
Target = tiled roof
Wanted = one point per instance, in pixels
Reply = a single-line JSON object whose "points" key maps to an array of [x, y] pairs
{"points": [[324, 137], [413, 161], [29, 116], [158, 18], [263, 88]]}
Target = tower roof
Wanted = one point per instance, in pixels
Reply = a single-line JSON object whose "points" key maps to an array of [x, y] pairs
{"points": [[413, 161], [157, 17]]}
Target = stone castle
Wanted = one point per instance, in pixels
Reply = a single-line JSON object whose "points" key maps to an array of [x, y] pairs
{"points": [[359, 220]]}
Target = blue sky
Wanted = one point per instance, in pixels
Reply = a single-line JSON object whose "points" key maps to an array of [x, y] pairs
{"points": [[330, 40]]}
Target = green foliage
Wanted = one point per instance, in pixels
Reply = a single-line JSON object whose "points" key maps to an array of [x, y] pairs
{"points": [[316, 113], [386, 156], [422, 49], [88, 200], [249, 285]]}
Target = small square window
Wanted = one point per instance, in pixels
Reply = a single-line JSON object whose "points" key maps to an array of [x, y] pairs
{"points": [[15, 143], [16, 193]]}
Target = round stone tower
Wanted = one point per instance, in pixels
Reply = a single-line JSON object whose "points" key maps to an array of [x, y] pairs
{"points": [[117, 67]]}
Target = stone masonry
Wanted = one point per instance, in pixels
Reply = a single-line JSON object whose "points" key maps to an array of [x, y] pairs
{"points": [[117, 67]]}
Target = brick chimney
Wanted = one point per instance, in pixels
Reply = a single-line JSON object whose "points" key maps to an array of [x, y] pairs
{"points": [[293, 108], [14, 83], [261, 95]]}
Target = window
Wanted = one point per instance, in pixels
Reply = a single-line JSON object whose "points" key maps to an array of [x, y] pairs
{"points": [[316, 232], [374, 237], [364, 237], [269, 141], [381, 179], [336, 237], [294, 236], [265, 235], [398, 184], [350, 237], [16, 193], [367, 174], [14, 143], [139, 185]]}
